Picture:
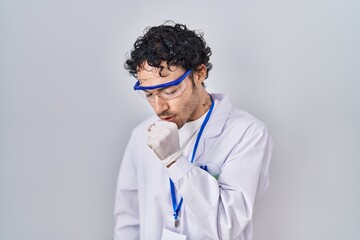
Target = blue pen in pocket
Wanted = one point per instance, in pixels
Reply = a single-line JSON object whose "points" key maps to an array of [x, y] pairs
{"points": [[204, 167]]}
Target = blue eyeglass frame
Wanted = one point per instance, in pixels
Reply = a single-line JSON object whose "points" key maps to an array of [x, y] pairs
{"points": [[163, 85]]}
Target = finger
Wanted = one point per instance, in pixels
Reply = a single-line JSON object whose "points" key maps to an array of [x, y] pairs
{"points": [[150, 126], [154, 131], [153, 143]]}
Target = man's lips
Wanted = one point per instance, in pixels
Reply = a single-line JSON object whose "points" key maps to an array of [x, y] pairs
{"points": [[167, 118]]}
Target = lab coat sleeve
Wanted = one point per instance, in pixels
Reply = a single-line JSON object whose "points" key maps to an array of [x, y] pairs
{"points": [[126, 200], [223, 208]]}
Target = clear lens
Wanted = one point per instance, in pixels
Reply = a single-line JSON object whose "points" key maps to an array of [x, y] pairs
{"points": [[164, 93]]}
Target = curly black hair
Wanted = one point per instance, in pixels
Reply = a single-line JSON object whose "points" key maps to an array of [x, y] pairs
{"points": [[170, 42]]}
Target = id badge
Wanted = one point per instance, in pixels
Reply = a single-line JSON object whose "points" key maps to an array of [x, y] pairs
{"points": [[170, 235]]}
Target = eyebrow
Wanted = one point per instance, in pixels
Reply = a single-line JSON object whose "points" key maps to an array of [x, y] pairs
{"points": [[156, 90]]}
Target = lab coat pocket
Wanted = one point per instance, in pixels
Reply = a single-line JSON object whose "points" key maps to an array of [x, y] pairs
{"points": [[212, 168]]}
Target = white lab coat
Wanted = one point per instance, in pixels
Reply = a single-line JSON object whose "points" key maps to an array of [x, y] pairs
{"points": [[235, 147]]}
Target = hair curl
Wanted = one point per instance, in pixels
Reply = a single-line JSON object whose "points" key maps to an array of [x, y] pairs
{"points": [[173, 43]]}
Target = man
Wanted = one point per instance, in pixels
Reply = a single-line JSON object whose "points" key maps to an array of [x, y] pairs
{"points": [[193, 170]]}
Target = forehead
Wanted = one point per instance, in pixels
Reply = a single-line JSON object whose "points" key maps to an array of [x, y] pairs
{"points": [[148, 75]]}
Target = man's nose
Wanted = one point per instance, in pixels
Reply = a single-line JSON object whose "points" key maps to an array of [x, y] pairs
{"points": [[160, 105]]}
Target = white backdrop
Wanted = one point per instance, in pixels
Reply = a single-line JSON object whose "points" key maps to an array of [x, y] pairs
{"points": [[67, 108]]}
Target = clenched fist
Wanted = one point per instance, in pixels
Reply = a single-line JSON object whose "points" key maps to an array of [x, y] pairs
{"points": [[163, 139]]}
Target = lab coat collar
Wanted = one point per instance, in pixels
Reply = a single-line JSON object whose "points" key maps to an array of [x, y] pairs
{"points": [[216, 122]]}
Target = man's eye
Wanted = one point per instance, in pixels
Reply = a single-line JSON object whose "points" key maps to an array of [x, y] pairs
{"points": [[170, 91], [148, 94]]}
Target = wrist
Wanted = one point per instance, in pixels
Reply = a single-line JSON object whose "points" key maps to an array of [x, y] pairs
{"points": [[167, 162]]}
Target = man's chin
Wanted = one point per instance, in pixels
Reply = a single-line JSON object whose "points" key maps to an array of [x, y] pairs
{"points": [[179, 125]]}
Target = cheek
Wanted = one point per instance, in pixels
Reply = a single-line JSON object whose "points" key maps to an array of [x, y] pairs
{"points": [[186, 107], [177, 105]]}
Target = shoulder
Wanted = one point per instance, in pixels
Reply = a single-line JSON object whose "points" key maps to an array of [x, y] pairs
{"points": [[235, 122], [239, 118], [233, 117]]}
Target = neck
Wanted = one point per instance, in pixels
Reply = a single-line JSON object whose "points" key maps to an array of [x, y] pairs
{"points": [[207, 102], [203, 106]]}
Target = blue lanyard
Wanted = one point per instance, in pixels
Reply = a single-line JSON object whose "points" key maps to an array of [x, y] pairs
{"points": [[172, 187]]}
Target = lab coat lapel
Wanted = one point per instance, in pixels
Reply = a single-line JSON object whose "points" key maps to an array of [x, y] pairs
{"points": [[215, 124]]}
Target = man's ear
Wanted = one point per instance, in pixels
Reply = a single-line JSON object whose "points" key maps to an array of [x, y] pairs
{"points": [[200, 74]]}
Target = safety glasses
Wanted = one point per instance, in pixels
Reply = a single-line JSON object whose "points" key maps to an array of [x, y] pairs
{"points": [[165, 91]]}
